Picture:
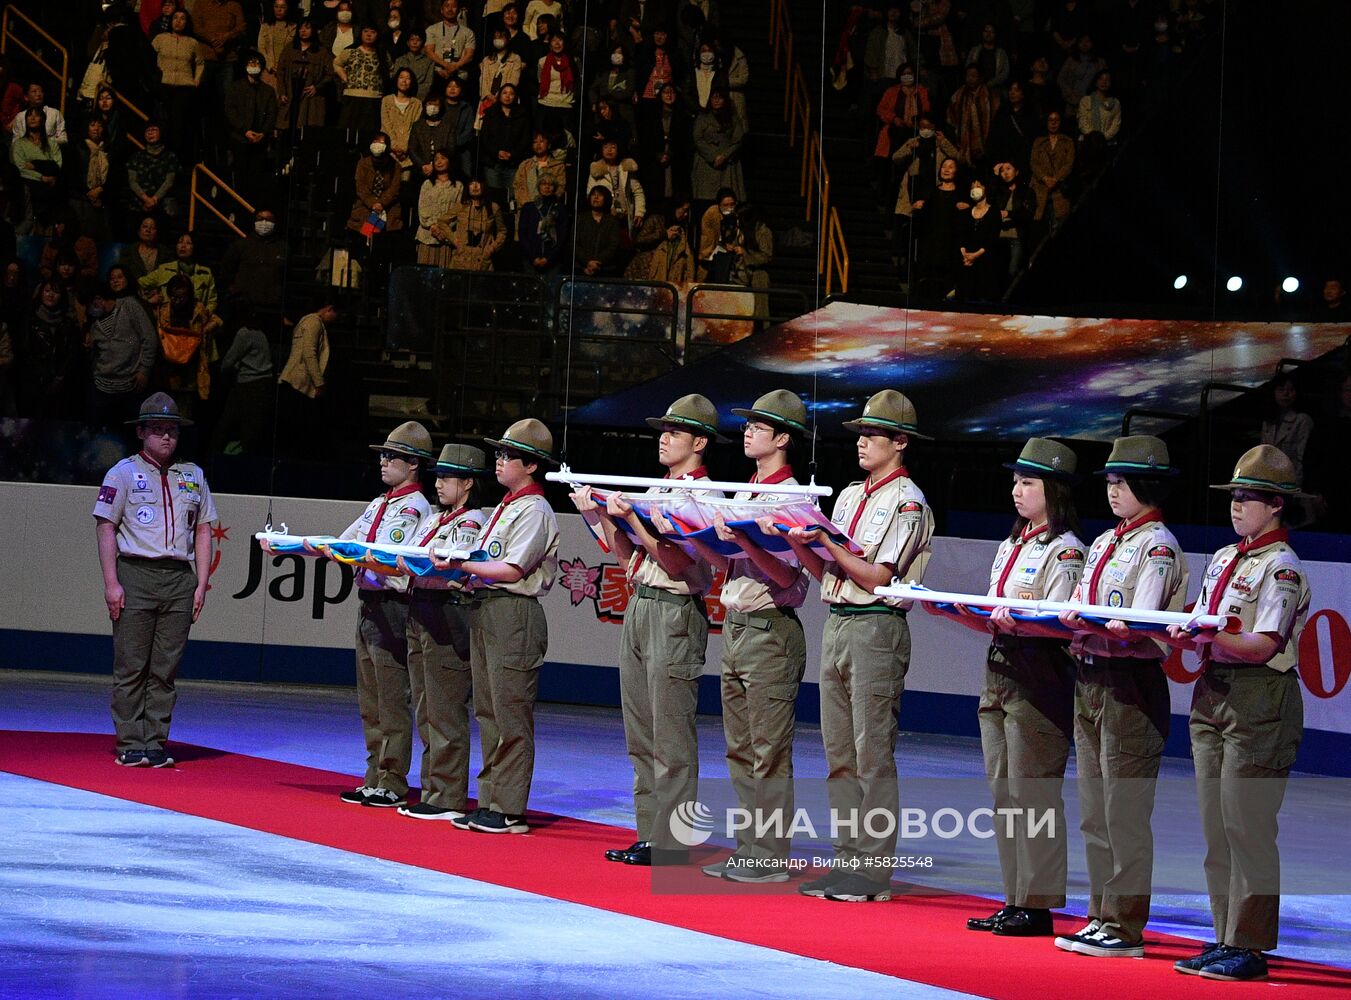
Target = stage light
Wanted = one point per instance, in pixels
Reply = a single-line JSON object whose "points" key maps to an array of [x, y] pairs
{"points": [[1180, 282], [1290, 286], [1234, 283]]}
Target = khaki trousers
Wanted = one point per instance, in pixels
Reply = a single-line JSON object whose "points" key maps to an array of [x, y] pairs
{"points": [[149, 638], [661, 657], [763, 659], [1121, 713], [508, 637], [864, 660], [1246, 727], [382, 688], [439, 677], [1025, 724]]}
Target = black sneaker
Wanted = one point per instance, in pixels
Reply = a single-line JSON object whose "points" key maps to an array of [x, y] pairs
{"points": [[1236, 965], [818, 886], [491, 821], [357, 796], [856, 888], [158, 758], [424, 811], [132, 758], [465, 822], [384, 798], [1193, 966]]}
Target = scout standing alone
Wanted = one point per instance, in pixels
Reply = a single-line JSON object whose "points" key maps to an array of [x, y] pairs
{"points": [[508, 633], [1247, 715], [154, 518]]}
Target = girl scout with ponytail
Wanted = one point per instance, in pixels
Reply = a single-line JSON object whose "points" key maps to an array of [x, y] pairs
{"points": [[1121, 700]]}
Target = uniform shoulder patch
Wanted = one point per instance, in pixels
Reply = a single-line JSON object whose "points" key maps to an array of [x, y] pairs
{"points": [[1287, 575], [410, 511], [1070, 554], [1162, 552], [107, 494], [910, 507]]}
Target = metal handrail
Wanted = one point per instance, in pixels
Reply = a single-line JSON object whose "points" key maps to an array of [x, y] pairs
{"points": [[6, 37], [837, 252], [194, 196], [815, 176], [135, 141], [1152, 414]]}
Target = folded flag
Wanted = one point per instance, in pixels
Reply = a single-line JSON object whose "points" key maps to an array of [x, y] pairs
{"points": [[375, 223]]}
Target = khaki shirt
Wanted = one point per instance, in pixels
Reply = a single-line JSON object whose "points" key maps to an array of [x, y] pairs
{"points": [[156, 511], [396, 515], [448, 529], [1268, 591], [645, 571], [748, 589], [1043, 569], [1146, 570], [524, 532], [892, 523]]}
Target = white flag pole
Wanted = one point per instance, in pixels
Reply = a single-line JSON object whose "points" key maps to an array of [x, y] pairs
{"points": [[566, 475], [1142, 616], [319, 541]]}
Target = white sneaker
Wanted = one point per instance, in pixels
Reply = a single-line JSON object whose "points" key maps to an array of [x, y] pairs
{"points": [[1067, 942], [1104, 945]]}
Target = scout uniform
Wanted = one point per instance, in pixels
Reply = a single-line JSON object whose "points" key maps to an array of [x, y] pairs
{"points": [[764, 655], [661, 658], [157, 512], [1026, 709], [865, 650], [438, 651], [1121, 710], [1247, 719], [392, 518], [509, 636]]}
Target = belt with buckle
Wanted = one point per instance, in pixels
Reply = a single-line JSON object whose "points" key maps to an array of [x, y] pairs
{"points": [[656, 594], [853, 610]]}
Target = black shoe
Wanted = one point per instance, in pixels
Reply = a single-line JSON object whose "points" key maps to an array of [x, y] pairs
{"points": [[1026, 923], [158, 758], [492, 821], [357, 796], [619, 854], [463, 822], [425, 811], [856, 888], [639, 856], [383, 798], [992, 921], [819, 886], [132, 758]]}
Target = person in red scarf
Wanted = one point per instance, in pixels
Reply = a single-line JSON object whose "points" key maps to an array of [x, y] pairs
{"points": [[899, 110], [1121, 701], [970, 112], [557, 86], [1247, 714]]}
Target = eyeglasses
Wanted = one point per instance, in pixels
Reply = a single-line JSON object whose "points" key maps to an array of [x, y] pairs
{"points": [[393, 456], [754, 428], [502, 455]]}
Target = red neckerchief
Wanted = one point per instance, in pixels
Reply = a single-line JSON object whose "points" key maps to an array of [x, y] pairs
{"points": [[1119, 532], [170, 528], [785, 472], [869, 488], [531, 489], [1222, 584], [1027, 535], [699, 472], [405, 490], [445, 518]]}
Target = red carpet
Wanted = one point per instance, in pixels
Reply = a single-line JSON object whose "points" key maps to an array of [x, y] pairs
{"points": [[921, 939]]}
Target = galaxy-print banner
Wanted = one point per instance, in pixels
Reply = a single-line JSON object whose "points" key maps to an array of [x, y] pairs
{"points": [[981, 376]]}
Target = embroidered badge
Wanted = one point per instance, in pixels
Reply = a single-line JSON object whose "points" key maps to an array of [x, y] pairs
{"points": [[107, 494], [494, 549], [1162, 552], [145, 515], [1287, 576], [396, 536], [910, 507], [1070, 554], [1114, 599]]}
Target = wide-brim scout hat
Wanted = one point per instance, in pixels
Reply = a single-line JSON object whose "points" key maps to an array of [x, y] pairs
{"points": [[888, 410], [462, 460], [1141, 456], [160, 406], [409, 438], [1045, 459], [1266, 469], [529, 437], [695, 413], [780, 408]]}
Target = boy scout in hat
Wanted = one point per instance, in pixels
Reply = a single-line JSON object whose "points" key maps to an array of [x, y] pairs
{"points": [[1027, 704], [153, 523], [764, 653], [438, 641], [865, 651], [1121, 701], [393, 518], [1247, 716], [508, 633], [665, 635]]}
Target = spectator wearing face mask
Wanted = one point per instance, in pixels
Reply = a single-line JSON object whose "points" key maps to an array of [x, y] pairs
{"points": [[500, 68], [251, 110], [977, 235], [254, 266], [916, 165], [616, 84], [432, 133], [898, 111], [377, 189]]}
